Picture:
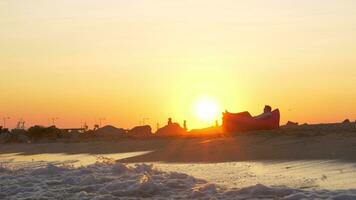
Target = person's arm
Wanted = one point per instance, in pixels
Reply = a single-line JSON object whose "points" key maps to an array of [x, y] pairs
{"points": [[263, 116]]}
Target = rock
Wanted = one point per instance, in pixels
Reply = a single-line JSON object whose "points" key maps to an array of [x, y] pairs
{"points": [[140, 131]]}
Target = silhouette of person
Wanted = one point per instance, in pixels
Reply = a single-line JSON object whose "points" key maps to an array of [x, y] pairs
{"points": [[267, 113], [169, 121]]}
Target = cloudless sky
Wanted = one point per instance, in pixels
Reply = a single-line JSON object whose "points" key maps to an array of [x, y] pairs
{"points": [[81, 60]]}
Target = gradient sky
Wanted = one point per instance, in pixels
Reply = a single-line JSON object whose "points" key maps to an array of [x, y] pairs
{"points": [[80, 60]]}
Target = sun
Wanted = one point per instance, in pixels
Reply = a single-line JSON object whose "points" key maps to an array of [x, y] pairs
{"points": [[207, 109]]}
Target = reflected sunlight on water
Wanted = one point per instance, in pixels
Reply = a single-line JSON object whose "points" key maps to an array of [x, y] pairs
{"points": [[303, 174], [74, 159]]}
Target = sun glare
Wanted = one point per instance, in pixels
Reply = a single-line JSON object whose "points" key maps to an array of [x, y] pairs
{"points": [[207, 109]]}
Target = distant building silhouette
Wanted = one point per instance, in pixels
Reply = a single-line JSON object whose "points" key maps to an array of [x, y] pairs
{"points": [[171, 129], [157, 125]]}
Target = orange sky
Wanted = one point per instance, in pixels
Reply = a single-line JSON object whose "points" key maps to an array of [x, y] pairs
{"points": [[81, 60]]}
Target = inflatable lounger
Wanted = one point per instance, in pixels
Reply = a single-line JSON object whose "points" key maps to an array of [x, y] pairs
{"points": [[240, 122]]}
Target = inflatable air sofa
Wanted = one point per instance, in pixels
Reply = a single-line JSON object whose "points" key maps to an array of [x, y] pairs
{"points": [[240, 122]]}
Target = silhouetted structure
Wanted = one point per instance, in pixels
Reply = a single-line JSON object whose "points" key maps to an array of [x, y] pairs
{"points": [[80, 130], [290, 123], [346, 121], [109, 131], [140, 131], [85, 127], [157, 126], [40, 132], [20, 124], [4, 121], [4, 130], [171, 129]]}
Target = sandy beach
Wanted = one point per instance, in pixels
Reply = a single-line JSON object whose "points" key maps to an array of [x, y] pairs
{"points": [[309, 158]]}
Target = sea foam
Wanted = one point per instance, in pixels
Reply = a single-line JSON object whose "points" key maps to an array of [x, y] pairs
{"points": [[107, 181]]}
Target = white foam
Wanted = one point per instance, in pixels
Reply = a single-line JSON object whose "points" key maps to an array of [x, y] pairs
{"points": [[106, 181]]}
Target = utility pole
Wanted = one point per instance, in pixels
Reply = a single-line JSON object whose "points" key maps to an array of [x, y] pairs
{"points": [[157, 125], [4, 120], [20, 124], [144, 120], [54, 120], [100, 120]]}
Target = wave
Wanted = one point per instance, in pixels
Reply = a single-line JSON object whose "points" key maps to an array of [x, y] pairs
{"points": [[113, 180]]}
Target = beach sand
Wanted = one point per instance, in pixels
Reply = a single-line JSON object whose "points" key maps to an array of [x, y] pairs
{"points": [[310, 158]]}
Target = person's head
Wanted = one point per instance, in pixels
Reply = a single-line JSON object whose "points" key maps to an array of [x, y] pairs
{"points": [[267, 109]]}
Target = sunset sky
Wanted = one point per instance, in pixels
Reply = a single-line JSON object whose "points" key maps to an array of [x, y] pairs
{"points": [[81, 60]]}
